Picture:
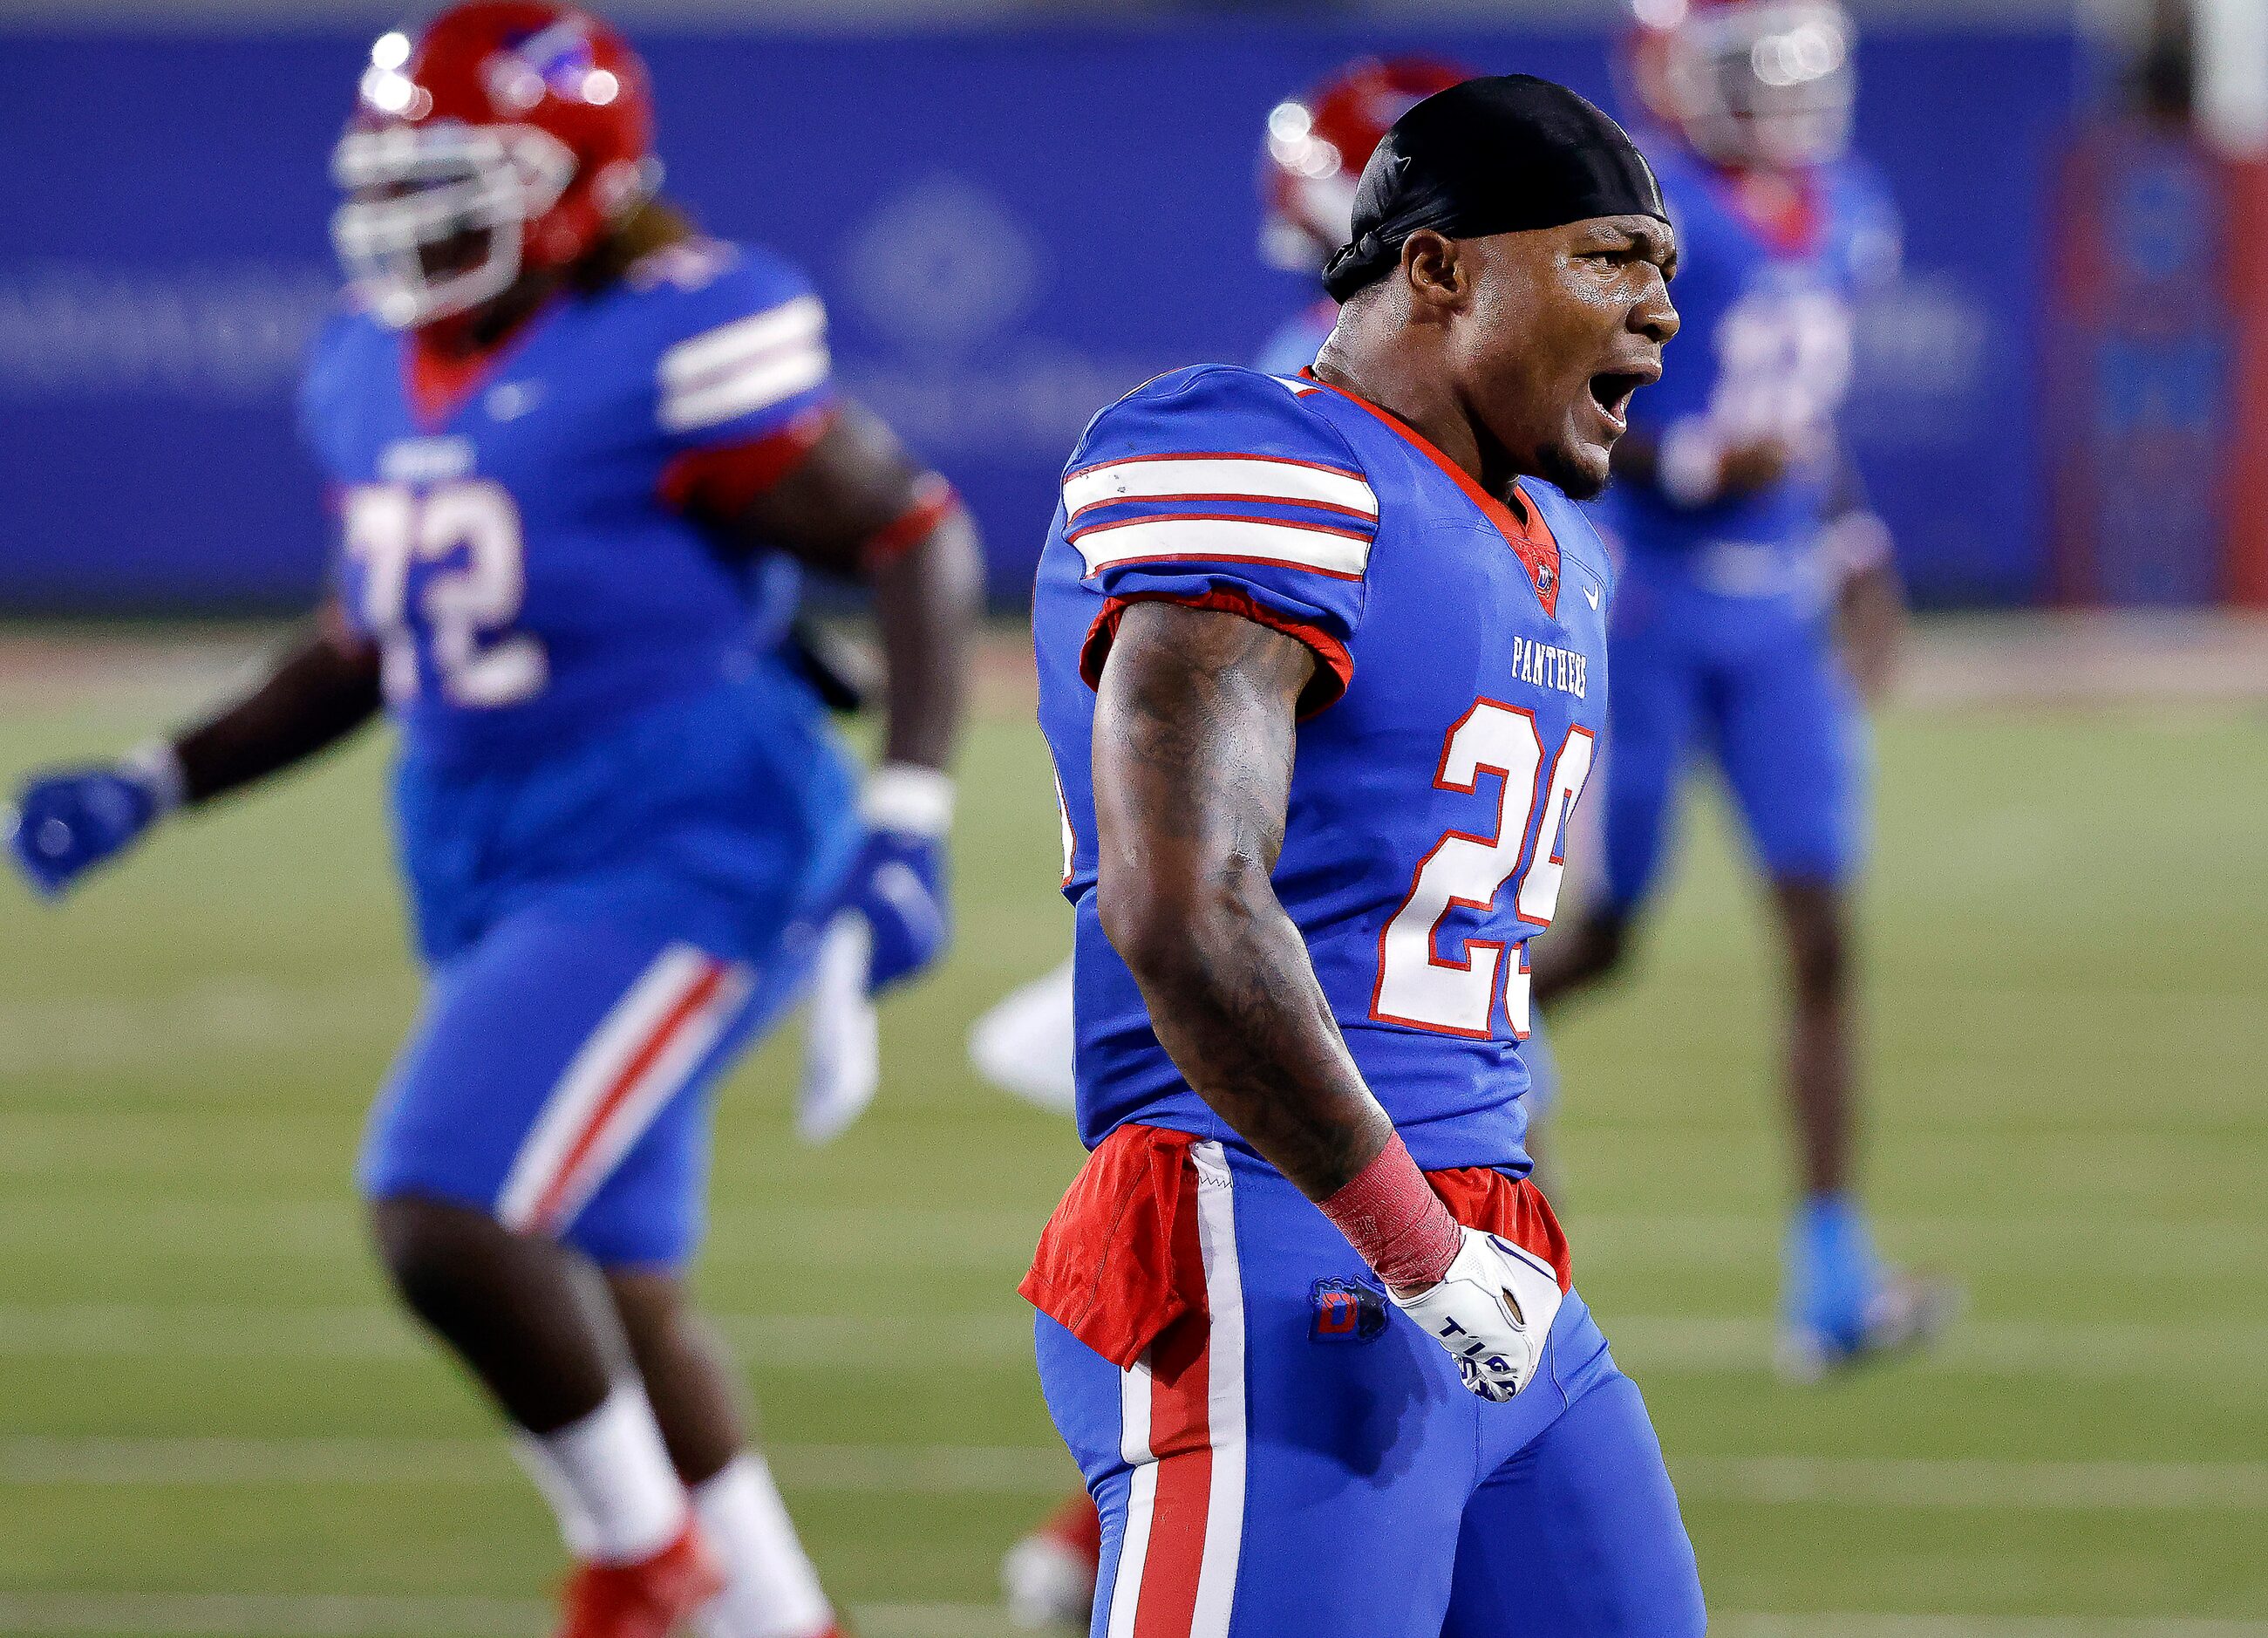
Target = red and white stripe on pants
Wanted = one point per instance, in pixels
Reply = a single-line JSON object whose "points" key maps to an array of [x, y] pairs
{"points": [[1182, 1430], [639, 1057]]}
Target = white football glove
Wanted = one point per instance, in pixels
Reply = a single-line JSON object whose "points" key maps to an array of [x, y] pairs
{"points": [[842, 1038], [1492, 1311]]}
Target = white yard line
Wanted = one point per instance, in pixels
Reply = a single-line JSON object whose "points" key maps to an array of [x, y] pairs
{"points": [[2015, 1244], [284, 1615], [281, 1615], [1664, 1343], [1735, 1625], [221, 1016], [783, 1341], [36, 1459], [2078, 1350], [202, 1228], [1959, 1483], [1912, 1483], [257, 1615]]}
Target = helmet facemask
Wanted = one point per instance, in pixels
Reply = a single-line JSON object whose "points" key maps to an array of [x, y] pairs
{"points": [[1769, 85], [435, 217]]}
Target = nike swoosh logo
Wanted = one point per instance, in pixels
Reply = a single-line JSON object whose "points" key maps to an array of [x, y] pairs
{"points": [[513, 399], [1591, 595]]}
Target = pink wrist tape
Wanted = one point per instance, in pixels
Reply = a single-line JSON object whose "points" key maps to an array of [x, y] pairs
{"points": [[1391, 1215]]}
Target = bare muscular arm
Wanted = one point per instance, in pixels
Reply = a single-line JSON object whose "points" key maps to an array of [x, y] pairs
{"points": [[1870, 623], [322, 689], [829, 511], [1193, 749]]}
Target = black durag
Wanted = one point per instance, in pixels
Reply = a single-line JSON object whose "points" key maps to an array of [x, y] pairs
{"points": [[1501, 155]]}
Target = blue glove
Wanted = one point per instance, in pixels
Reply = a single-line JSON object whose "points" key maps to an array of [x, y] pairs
{"points": [[898, 885], [897, 882], [67, 824]]}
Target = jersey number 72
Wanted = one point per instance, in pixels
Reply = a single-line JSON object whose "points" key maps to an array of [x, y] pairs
{"points": [[1416, 987], [446, 561]]}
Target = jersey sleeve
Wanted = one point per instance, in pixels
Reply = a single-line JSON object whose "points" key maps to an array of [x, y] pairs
{"points": [[1217, 487], [1871, 234], [326, 393], [746, 360]]}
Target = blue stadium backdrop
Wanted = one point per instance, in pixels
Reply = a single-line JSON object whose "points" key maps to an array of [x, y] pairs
{"points": [[1012, 227]]}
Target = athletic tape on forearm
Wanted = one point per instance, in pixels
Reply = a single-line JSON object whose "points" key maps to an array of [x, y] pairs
{"points": [[157, 768], [1390, 1214], [909, 799], [1856, 543]]}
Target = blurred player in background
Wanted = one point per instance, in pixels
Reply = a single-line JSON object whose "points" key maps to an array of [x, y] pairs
{"points": [[1311, 156], [575, 447], [1747, 552]]}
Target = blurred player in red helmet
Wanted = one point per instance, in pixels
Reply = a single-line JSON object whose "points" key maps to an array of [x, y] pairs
{"points": [[1764, 86], [1759, 600], [579, 453], [1311, 155], [472, 164]]}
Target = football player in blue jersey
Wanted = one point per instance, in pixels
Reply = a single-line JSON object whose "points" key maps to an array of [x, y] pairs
{"points": [[575, 446], [1312, 151], [1322, 671], [1746, 547]]}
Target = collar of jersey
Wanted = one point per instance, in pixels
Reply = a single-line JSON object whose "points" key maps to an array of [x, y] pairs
{"points": [[438, 385], [1796, 230], [1525, 531]]}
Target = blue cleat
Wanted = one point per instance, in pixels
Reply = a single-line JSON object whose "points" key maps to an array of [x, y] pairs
{"points": [[1844, 1307]]}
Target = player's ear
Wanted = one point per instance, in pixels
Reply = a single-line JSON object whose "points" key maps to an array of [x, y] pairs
{"points": [[1436, 271]]}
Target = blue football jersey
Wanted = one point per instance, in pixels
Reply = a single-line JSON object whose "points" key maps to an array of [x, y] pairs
{"points": [[516, 556], [594, 712], [1460, 692], [1764, 351]]}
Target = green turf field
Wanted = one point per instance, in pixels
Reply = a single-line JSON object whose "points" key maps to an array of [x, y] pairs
{"points": [[210, 1421]]}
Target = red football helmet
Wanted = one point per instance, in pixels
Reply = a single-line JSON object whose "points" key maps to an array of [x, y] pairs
{"points": [[1763, 84], [1318, 143], [511, 134]]}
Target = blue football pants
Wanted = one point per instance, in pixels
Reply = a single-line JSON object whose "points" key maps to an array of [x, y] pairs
{"points": [[1271, 1466], [560, 1077], [1777, 716]]}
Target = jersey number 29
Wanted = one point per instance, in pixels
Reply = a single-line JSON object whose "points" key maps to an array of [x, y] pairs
{"points": [[1416, 987], [409, 543]]}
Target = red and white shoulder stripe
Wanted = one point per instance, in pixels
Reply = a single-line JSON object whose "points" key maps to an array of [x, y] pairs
{"points": [[1245, 508], [739, 368]]}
